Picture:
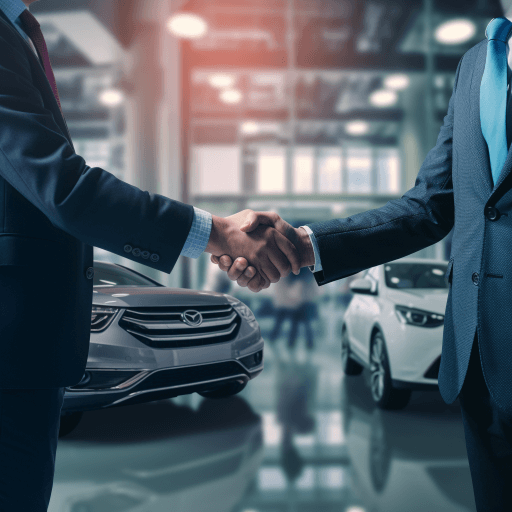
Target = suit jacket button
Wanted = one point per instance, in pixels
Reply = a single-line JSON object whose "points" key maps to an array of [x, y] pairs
{"points": [[145, 254], [136, 252], [128, 248], [475, 278], [155, 257], [89, 273], [492, 213]]}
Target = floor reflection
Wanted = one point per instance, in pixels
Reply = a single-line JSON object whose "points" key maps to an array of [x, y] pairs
{"points": [[299, 438]]}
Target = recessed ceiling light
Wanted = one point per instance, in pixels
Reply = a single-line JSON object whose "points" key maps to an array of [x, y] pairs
{"points": [[187, 25], [397, 82], [455, 31], [231, 96], [383, 98], [221, 80], [250, 128], [357, 127], [111, 97]]}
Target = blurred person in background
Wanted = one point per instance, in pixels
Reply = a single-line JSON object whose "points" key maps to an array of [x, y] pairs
{"points": [[465, 183], [54, 209]]}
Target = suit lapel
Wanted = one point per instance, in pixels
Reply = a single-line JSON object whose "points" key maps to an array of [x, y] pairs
{"points": [[479, 148], [41, 79], [481, 152]]}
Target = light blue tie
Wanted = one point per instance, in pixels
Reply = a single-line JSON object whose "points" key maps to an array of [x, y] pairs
{"points": [[493, 94]]}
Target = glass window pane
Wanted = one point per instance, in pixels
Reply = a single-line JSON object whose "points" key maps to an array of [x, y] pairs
{"points": [[272, 170], [359, 167], [303, 165], [388, 171], [329, 170], [215, 170]]}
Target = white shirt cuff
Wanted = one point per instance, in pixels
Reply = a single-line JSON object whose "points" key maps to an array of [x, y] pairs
{"points": [[317, 267]]}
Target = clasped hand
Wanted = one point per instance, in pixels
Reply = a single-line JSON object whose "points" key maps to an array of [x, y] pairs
{"points": [[258, 248]]}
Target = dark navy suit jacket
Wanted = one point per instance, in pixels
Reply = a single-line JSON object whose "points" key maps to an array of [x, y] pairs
{"points": [[453, 189], [53, 209]]}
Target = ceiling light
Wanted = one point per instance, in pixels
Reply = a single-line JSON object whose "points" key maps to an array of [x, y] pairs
{"points": [[221, 80], [111, 97], [357, 127], [231, 96], [187, 25], [250, 128], [396, 82], [455, 31], [383, 98]]}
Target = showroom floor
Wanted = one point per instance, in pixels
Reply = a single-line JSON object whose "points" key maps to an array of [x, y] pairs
{"points": [[299, 438]]}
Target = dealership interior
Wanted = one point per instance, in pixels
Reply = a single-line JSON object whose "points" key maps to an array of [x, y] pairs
{"points": [[315, 109]]}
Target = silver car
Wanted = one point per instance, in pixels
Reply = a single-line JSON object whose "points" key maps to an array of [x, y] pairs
{"points": [[149, 342]]}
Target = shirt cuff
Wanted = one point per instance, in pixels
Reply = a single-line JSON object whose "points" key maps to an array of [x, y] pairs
{"points": [[199, 234], [317, 267]]}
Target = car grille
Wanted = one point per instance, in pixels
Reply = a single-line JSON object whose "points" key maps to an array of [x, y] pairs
{"points": [[164, 327], [433, 370]]}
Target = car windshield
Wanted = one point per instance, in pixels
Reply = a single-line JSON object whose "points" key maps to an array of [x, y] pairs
{"points": [[106, 276], [416, 275]]}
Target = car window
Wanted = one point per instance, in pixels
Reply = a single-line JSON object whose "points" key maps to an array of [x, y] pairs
{"points": [[415, 275], [108, 276]]}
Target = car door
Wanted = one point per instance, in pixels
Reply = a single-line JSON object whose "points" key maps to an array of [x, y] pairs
{"points": [[367, 309]]}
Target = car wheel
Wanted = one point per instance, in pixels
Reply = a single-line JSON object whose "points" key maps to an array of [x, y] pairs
{"points": [[383, 392], [348, 365], [225, 391], [69, 422]]}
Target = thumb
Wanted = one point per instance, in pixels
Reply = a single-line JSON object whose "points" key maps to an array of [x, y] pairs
{"points": [[254, 219]]}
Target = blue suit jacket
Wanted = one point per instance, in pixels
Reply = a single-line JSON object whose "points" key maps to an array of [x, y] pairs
{"points": [[53, 209], [453, 189]]}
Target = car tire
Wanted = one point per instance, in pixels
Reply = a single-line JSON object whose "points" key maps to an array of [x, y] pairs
{"points": [[348, 365], [225, 391], [384, 394], [68, 423]]}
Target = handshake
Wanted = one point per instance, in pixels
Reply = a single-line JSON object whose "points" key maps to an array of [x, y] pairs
{"points": [[258, 248]]}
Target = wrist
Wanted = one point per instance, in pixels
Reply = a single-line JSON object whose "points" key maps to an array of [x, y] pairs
{"points": [[305, 248], [214, 243]]}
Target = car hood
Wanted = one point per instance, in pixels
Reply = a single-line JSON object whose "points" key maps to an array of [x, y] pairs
{"points": [[149, 296], [427, 299]]}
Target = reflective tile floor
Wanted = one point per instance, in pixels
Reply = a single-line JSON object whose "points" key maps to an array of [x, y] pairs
{"points": [[299, 438]]}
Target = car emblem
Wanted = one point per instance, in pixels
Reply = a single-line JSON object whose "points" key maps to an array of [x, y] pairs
{"points": [[192, 318]]}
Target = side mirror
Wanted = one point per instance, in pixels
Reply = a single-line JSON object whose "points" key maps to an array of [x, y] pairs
{"points": [[364, 286]]}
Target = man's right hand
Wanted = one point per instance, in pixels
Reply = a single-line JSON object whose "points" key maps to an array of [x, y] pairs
{"points": [[271, 254]]}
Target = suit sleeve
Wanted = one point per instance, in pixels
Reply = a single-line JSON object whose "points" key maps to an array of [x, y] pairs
{"points": [[423, 216], [88, 203]]}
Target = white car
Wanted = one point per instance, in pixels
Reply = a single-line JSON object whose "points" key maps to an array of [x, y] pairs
{"points": [[394, 327]]}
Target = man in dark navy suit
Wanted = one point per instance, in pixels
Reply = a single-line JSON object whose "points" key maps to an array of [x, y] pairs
{"points": [[53, 209], [465, 183]]}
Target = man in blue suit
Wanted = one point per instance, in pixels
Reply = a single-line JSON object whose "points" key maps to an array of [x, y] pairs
{"points": [[53, 209], [465, 183]]}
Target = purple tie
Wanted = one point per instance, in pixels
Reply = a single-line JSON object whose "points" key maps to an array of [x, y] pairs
{"points": [[33, 30]]}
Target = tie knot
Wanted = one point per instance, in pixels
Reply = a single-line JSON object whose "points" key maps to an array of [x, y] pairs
{"points": [[498, 28], [29, 21]]}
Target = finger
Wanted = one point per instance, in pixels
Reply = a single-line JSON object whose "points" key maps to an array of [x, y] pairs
{"points": [[256, 284], [269, 268], [289, 250], [237, 269], [254, 219], [278, 258], [247, 275], [264, 277], [225, 262], [214, 259]]}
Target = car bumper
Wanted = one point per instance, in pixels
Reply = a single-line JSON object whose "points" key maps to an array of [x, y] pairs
{"points": [[414, 356], [150, 385]]}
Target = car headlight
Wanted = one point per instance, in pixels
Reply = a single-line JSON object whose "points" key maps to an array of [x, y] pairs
{"points": [[418, 317], [243, 310], [101, 317]]}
